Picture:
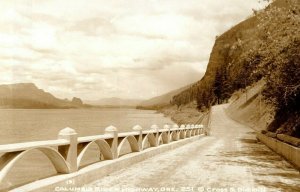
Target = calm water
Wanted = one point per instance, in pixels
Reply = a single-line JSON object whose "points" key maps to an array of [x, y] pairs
{"points": [[21, 125]]}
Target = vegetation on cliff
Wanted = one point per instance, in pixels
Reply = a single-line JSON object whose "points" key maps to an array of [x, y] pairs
{"points": [[265, 46]]}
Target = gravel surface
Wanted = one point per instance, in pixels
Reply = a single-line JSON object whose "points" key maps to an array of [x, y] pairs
{"points": [[230, 159]]}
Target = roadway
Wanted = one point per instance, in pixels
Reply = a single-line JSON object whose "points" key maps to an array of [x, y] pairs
{"points": [[230, 159]]}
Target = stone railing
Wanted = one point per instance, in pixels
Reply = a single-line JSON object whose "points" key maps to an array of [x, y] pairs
{"points": [[67, 152]]}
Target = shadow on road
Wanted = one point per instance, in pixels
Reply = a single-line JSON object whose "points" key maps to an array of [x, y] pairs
{"points": [[267, 167]]}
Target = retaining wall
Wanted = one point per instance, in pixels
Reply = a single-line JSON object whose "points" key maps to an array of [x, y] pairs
{"points": [[289, 152]]}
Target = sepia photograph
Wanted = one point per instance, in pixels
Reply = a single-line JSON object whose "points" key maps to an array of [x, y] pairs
{"points": [[150, 96]]}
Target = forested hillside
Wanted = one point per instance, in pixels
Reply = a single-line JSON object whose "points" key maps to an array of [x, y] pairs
{"points": [[162, 100], [265, 46]]}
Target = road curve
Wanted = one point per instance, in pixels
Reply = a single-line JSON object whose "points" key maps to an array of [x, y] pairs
{"points": [[230, 159]]}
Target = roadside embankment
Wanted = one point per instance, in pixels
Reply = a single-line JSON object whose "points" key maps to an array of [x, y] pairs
{"points": [[185, 114], [248, 107]]}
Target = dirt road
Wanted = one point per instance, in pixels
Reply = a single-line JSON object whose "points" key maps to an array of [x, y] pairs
{"points": [[230, 159]]}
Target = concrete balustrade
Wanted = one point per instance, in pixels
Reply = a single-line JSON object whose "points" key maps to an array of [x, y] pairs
{"points": [[68, 150]]}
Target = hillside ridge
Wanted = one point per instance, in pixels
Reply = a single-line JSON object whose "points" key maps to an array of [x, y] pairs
{"points": [[28, 95], [263, 47]]}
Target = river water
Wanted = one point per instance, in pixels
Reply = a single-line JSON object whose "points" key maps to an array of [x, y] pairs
{"points": [[22, 125]]}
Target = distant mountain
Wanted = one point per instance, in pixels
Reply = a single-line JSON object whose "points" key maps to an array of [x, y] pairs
{"points": [[115, 102], [28, 95], [162, 100], [77, 101]]}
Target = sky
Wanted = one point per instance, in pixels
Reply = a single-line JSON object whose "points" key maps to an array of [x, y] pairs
{"points": [[112, 48]]}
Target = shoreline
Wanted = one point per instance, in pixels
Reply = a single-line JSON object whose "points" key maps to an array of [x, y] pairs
{"points": [[187, 114]]}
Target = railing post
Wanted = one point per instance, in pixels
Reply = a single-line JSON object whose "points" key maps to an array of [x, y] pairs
{"points": [[197, 132], [113, 131], [140, 136], [181, 134], [188, 130], [192, 130], [156, 129], [69, 152], [169, 133], [175, 126], [201, 129]]}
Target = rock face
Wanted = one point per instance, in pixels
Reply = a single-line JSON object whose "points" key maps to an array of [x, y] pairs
{"points": [[77, 101], [264, 46]]}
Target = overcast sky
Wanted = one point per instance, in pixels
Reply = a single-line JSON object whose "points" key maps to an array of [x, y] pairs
{"points": [[112, 48]]}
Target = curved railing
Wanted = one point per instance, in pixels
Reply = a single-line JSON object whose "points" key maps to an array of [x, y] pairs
{"points": [[66, 152]]}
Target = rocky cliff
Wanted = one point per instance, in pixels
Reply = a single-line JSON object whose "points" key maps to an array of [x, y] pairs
{"points": [[263, 47]]}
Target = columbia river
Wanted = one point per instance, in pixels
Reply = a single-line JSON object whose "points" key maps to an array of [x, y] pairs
{"points": [[22, 125]]}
